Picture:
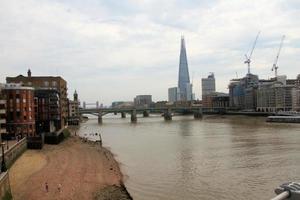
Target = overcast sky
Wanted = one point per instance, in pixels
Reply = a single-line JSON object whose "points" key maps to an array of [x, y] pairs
{"points": [[112, 50]]}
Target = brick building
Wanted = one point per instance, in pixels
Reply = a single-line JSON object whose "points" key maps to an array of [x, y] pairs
{"points": [[2, 110], [20, 118], [55, 82]]}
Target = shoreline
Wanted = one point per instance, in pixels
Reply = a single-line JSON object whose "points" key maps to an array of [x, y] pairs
{"points": [[85, 171]]}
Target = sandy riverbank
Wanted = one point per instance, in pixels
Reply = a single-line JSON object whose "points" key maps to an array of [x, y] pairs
{"points": [[85, 171]]}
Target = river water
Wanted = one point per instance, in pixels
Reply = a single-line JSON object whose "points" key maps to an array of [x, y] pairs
{"points": [[231, 157]]}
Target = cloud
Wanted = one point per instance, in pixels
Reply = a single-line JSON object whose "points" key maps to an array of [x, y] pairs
{"points": [[114, 50]]}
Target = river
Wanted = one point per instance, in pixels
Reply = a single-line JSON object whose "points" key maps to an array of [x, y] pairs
{"points": [[218, 157]]}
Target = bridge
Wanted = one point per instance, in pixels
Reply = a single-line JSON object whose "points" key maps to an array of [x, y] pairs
{"points": [[167, 112]]}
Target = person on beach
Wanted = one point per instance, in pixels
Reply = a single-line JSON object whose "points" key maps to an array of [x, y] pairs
{"points": [[59, 187], [46, 187]]}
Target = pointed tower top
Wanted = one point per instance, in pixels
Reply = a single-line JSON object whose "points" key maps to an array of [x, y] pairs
{"points": [[75, 96], [29, 73]]}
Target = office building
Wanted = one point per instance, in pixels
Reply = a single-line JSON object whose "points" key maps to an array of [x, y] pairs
{"points": [[143, 100], [208, 84], [208, 88], [184, 84], [173, 94]]}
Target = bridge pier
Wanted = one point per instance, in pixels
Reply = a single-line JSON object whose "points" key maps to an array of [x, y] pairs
{"points": [[133, 116], [100, 118], [168, 115], [145, 113], [123, 114], [198, 114]]}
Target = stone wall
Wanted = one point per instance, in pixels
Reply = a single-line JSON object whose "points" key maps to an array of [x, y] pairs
{"points": [[14, 152], [5, 192]]}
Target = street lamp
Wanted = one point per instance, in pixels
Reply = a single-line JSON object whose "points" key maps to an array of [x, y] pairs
{"points": [[3, 165]]}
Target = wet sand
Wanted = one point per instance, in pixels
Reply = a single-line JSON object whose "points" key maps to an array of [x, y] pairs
{"points": [[84, 170]]}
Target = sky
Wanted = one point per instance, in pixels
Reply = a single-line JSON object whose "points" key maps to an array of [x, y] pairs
{"points": [[114, 50]]}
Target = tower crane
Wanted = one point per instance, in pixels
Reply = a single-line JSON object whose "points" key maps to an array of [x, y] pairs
{"points": [[275, 66], [248, 57]]}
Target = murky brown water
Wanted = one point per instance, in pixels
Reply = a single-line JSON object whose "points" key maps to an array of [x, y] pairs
{"points": [[232, 157]]}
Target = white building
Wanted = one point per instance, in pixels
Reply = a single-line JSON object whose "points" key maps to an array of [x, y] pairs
{"points": [[143, 100], [208, 85]]}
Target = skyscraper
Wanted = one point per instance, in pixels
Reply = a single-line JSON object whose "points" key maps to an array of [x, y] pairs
{"points": [[183, 75]]}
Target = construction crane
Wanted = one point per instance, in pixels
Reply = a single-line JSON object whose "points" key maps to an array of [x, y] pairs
{"points": [[275, 66], [248, 57]]}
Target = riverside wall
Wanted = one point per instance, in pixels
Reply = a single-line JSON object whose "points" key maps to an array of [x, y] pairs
{"points": [[14, 152], [5, 191]]}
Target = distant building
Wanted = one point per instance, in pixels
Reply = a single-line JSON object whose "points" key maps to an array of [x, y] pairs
{"points": [[122, 104], [2, 111], [296, 95], [173, 94], [280, 94], [74, 115], [242, 92], [143, 100], [221, 100], [208, 88], [47, 110], [20, 110], [208, 84], [46, 82]]}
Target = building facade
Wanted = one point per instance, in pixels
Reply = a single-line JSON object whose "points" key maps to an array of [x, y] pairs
{"points": [[208, 84], [20, 120], [2, 111], [279, 94], [242, 92], [74, 115], [173, 94], [143, 100], [208, 88], [47, 111], [55, 82], [184, 85]]}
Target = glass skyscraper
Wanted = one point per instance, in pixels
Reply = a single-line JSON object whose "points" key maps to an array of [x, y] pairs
{"points": [[184, 84]]}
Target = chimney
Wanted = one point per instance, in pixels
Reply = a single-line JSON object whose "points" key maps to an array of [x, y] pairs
{"points": [[29, 73]]}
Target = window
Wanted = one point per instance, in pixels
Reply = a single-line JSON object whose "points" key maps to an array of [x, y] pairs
{"points": [[54, 83], [25, 117], [46, 83], [18, 96], [24, 100], [29, 83]]}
